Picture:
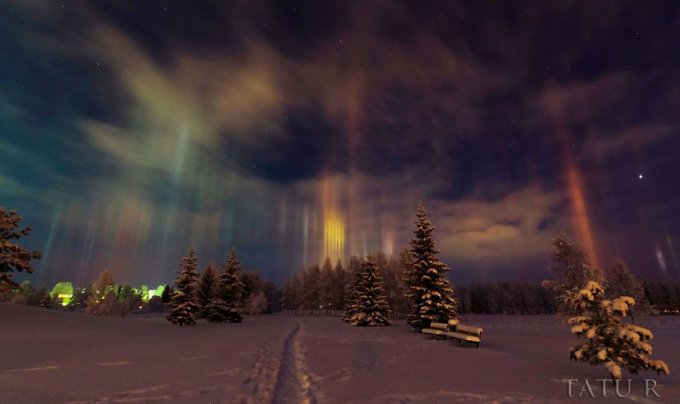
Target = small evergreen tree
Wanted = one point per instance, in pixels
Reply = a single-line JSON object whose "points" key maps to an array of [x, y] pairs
{"points": [[102, 299], [46, 301], [168, 291], [13, 258], [610, 341], [573, 271], [226, 304], [183, 304], [370, 304], [79, 299], [429, 289], [207, 287]]}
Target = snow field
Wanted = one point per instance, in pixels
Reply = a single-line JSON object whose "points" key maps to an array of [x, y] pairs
{"points": [[53, 356]]}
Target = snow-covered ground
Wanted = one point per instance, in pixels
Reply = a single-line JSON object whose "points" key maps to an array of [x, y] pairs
{"points": [[53, 356]]}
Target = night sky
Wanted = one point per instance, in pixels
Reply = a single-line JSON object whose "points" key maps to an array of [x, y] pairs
{"points": [[295, 130]]}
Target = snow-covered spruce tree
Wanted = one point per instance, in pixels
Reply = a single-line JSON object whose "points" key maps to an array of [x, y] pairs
{"points": [[573, 270], [428, 288], [622, 282], [610, 341], [226, 305], [207, 286], [371, 305], [352, 289], [183, 304], [13, 258]]}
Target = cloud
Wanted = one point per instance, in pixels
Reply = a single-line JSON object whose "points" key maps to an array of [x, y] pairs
{"points": [[630, 140], [190, 105], [515, 228]]}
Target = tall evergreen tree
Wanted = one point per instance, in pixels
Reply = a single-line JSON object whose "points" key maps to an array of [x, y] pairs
{"points": [[610, 341], [573, 270], [352, 289], [429, 288], [227, 302], [371, 307], [339, 282], [207, 286], [183, 304], [408, 279], [391, 273], [622, 282], [326, 295], [291, 294], [310, 288], [13, 258]]}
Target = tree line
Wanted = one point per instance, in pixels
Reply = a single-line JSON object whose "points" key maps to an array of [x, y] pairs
{"points": [[318, 290]]}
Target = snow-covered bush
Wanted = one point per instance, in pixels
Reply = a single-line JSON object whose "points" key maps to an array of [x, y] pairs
{"points": [[610, 341]]}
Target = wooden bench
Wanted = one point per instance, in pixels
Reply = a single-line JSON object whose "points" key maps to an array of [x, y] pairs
{"points": [[437, 330], [476, 331], [466, 333], [454, 330]]}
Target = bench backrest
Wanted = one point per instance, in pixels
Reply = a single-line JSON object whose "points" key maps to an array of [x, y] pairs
{"points": [[470, 330], [439, 326]]}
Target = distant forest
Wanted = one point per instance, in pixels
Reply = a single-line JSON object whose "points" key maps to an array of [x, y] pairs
{"points": [[305, 294]]}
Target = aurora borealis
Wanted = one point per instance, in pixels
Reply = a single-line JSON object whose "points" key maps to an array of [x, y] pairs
{"points": [[295, 130]]}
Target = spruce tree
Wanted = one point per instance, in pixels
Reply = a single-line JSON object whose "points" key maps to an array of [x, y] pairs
{"points": [[352, 289], [573, 270], [431, 294], [326, 295], [610, 341], [622, 282], [311, 290], [183, 304], [206, 288], [102, 299], [13, 258], [339, 282], [226, 304], [168, 291], [370, 304]]}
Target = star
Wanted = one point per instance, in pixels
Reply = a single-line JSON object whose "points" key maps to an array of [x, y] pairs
{"points": [[640, 176]]}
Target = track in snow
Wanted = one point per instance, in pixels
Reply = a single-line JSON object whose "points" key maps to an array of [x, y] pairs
{"points": [[293, 384]]}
